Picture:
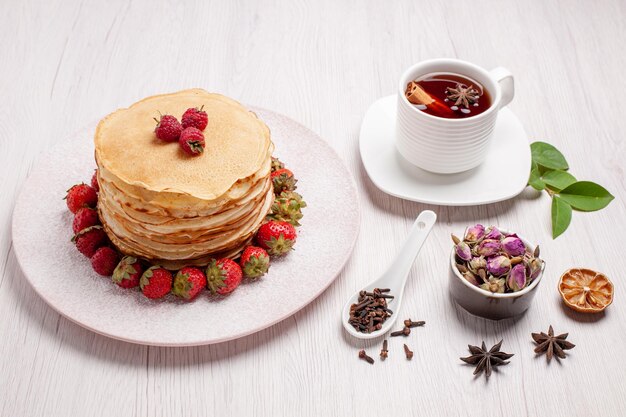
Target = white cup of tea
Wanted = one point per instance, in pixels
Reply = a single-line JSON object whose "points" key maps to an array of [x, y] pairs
{"points": [[453, 142]]}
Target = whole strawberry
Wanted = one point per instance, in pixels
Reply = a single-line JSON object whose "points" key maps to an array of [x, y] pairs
{"points": [[192, 141], [283, 180], [254, 262], [128, 272], [85, 217], [94, 181], [105, 260], [188, 283], [276, 237], [156, 282], [81, 195], [168, 128], [89, 240], [223, 276], [195, 117]]}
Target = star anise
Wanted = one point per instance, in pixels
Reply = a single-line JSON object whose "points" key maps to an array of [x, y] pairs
{"points": [[552, 345], [462, 96], [484, 359]]}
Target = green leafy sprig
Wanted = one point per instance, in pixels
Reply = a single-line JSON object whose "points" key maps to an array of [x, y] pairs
{"points": [[549, 172]]}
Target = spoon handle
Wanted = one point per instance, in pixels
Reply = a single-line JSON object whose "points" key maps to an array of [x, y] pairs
{"points": [[420, 230]]}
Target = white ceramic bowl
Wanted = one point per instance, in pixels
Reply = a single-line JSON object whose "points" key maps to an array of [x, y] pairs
{"points": [[494, 306], [431, 142]]}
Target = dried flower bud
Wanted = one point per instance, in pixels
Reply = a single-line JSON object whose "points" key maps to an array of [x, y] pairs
{"points": [[489, 247], [455, 239], [494, 285], [463, 251], [471, 278], [513, 245], [498, 265], [517, 278], [476, 263], [475, 233], [534, 268], [493, 233]]}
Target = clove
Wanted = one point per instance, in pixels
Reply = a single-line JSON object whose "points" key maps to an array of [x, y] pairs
{"points": [[365, 357], [408, 352], [404, 332], [384, 352], [409, 323]]}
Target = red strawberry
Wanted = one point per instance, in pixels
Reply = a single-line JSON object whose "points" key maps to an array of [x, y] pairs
{"points": [[188, 283], [223, 276], [105, 260], [195, 117], [89, 240], [254, 262], [283, 180], [94, 181], [128, 272], [81, 195], [192, 141], [276, 237], [156, 282], [85, 217], [168, 128]]}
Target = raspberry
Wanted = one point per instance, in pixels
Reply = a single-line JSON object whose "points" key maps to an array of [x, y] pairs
{"points": [[168, 128], [192, 141], [194, 117]]}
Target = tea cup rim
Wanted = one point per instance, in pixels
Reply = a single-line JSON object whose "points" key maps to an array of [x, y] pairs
{"points": [[495, 104]]}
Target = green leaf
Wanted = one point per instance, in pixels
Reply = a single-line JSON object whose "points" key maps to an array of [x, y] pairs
{"points": [[586, 196], [558, 180], [535, 179], [561, 216], [548, 156]]}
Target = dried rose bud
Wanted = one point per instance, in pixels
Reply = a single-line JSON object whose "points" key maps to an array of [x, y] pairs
{"points": [[498, 265], [534, 268], [471, 278], [517, 278], [493, 233], [513, 245], [463, 251], [477, 262], [494, 285], [475, 233], [489, 247]]}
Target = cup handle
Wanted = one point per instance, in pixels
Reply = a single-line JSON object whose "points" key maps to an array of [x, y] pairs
{"points": [[504, 77]]}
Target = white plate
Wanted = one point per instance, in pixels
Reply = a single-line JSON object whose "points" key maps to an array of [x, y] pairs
{"points": [[64, 278], [503, 175]]}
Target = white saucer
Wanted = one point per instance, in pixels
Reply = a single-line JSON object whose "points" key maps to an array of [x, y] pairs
{"points": [[503, 175]]}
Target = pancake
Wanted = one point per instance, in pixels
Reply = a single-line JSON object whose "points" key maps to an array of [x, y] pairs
{"points": [[160, 204], [237, 144]]}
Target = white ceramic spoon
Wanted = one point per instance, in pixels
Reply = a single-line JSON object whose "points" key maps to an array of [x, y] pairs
{"points": [[396, 275]]}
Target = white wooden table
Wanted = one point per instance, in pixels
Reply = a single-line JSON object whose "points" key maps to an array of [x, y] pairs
{"points": [[67, 63]]}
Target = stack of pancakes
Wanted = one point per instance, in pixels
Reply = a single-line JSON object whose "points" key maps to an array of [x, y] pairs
{"points": [[158, 203]]}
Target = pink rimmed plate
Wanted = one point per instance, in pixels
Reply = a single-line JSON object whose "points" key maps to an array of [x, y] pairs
{"points": [[64, 278]]}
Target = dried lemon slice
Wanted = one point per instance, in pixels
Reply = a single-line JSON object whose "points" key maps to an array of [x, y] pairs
{"points": [[585, 290]]}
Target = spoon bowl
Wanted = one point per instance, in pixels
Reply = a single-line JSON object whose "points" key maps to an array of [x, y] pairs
{"points": [[395, 277]]}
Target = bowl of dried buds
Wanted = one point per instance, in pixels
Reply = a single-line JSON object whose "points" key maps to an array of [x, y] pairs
{"points": [[494, 273]]}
